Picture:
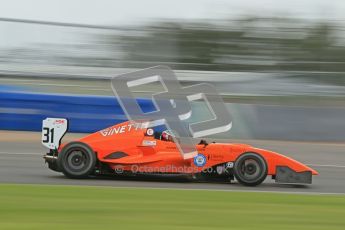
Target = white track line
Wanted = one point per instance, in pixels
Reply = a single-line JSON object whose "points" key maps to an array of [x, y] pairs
{"points": [[7, 153], [328, 166], [189, 189]]}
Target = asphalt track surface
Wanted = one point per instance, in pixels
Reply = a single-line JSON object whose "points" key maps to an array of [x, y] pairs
{"points": [[21, 163]]}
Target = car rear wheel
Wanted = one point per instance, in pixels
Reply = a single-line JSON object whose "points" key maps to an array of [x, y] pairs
{"points": [[250, 169], [77, 160]]}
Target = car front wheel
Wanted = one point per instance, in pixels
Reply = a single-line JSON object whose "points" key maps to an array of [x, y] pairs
{"points": [[250, 169]]}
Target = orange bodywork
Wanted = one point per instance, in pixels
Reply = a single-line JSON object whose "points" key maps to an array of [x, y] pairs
{"points": [[147, 153]]}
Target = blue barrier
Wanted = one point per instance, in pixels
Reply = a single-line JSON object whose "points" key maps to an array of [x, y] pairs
{"points": [[20, 110], [25, 110]]}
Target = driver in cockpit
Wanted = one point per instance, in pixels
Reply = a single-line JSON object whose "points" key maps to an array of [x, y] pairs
{"points": [[166, 135]]}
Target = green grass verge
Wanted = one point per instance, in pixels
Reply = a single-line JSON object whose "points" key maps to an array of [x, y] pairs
{"points": [[72, 207]]}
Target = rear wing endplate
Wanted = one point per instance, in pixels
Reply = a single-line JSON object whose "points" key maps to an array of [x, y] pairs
{"points": [[53, 130]]}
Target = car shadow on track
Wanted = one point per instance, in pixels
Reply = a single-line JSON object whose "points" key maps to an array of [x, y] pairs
{"points": [[170, 181]]}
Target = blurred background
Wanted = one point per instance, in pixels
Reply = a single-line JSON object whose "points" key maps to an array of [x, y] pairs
{"points": [[279, 65]]}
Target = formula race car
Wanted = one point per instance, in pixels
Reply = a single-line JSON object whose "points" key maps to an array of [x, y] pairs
{"points": [[131, 149]]}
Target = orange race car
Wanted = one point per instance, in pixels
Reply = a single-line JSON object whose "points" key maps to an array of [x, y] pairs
{"points": [[131, 149]]}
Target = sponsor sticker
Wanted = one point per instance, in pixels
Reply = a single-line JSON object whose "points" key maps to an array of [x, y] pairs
{"points": [[229, 165], [121, 129], [200, 160], [149, 143], [149, 132], [217, 157]]}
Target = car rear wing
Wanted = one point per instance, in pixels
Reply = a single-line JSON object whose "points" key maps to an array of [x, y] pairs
{"points": [[53, 130]]}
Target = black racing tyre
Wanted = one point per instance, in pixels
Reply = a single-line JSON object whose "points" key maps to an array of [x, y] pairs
{"points": [[250, 169], [77, 160]]}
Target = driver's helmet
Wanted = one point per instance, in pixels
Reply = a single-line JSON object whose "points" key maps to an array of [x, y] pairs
{"points": [[167, 135]]}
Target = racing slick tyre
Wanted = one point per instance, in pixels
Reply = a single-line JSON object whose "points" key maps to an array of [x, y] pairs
{"points": [[250, 169], [77, 160]]}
